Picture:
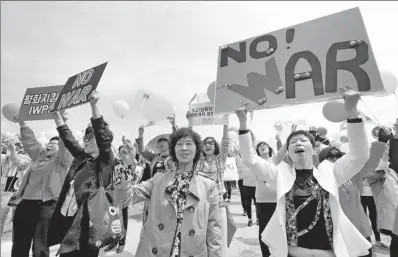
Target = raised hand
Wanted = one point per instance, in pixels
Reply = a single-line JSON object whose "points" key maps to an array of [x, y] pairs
{"points": [[294, 127], [94, 97], [141, 130], [351, 99]]}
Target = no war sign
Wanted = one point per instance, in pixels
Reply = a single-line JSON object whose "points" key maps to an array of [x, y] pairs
{"points": [[304, 63], [79, 87], [38, 102]]}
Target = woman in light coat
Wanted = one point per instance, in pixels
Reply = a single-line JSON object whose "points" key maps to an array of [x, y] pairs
{"points": [[384, 184], [183, 213], [321, 228]]}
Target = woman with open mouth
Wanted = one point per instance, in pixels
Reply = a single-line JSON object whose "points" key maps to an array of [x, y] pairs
{"points": [[212, 165], [183, 214], [309, 220]]}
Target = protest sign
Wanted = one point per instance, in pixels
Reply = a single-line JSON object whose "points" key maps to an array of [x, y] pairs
{"points": [[308, 62], [203, 114], [38, 102], [231, 170], [79, 87]]}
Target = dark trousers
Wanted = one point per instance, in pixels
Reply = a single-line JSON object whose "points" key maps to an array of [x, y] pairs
{"points": [[250, 194], [125, 213], [394, 245], [242, 194], [264, 214], [84, 249], [228, 187], [368, 203], [30, 223]]}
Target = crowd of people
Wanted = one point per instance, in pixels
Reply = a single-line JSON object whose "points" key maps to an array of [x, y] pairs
{"points": [[311, 198]]}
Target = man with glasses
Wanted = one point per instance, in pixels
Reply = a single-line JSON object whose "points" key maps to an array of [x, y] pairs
{"points": [[38, 193]]}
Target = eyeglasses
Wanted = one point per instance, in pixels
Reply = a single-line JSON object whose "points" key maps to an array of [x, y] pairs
{"points": [[209, 142]]}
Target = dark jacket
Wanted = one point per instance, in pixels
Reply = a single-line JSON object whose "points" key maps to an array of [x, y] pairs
{"points": [[67, 230], [394, 154]]}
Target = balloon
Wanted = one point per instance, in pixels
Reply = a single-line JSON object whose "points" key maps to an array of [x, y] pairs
{"points": [[334, 111], [390, 83], [9, 110], [155, 107], [336, 144], [344, 148], [322, 131], [344, 138], [211, 91], [121, 108], [375, 132]]}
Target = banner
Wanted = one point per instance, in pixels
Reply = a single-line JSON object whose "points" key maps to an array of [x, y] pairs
{"points": [[203, 114], [79, 87], [38, 101], [231, 170], [365, 118], [304, 63]]}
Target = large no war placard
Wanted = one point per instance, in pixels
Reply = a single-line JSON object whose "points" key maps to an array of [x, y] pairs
{"points": [[307, 62]]}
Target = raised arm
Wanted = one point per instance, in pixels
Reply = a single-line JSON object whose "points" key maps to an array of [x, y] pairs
{"points": [[257, 165], [18, 160], [65, 158], [358, 149], [225, 141], [103, 136], [143, 191], [376, 152], [214, 233], [140, 145], [30, 144]]}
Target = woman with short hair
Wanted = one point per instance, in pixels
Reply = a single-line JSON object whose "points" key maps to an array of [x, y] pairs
{"points": [[183, 214], [308, 220]]}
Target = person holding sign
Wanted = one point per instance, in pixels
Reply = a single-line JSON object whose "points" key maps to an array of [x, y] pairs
{"points": [[309, 220], [69, 224], [38, 192], [212, 165], [183, 217], [266, 196]]}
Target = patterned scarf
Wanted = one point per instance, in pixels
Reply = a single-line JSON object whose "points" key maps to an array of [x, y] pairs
{"points": [[179, 191], [322, 197]]}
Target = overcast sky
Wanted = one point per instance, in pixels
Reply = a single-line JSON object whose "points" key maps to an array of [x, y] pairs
{"points": [[169, 48]]}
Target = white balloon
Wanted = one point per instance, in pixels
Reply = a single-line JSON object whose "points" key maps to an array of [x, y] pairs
{"points": [[121, 108], [155, 107], [390, 83], [336, 144], [344, 137]]}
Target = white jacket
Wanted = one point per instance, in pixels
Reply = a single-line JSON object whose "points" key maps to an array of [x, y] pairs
{"points": [[347, 240]]}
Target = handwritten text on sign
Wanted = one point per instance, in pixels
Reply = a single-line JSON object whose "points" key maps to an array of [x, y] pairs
{"points": [[38, 101], [203, 114], [79, 87], [304, 63]]}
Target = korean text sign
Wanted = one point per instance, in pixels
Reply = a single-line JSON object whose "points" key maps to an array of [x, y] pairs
{"points": [[37, 102], [203, 114], [79, 87], [304, 63]]}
